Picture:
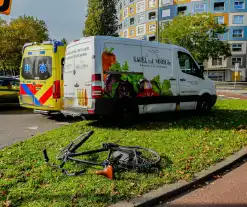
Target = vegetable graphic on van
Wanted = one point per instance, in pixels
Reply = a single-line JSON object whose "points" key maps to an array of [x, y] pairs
{"points": [[108, 58], [121, 83]]}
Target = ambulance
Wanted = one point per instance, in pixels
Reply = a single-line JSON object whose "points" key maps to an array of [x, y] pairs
{"points": [[41, 76], [106, 76]]}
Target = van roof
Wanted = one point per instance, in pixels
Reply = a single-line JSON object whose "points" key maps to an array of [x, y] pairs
{"points": [[121, 39]]}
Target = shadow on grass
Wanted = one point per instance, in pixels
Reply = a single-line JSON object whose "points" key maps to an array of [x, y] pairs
{"points": [[217, 119]]}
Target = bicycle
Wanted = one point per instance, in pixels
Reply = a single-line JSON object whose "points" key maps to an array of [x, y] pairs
{"points": [[134, 158]]}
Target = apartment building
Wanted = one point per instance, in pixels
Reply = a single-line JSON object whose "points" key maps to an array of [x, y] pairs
{"points": [[140, 19]]}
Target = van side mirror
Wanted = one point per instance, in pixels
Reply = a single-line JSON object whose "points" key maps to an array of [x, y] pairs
{"points": [[201, 70]]}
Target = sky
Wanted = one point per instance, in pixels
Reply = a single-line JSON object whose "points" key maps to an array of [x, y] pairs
{"points": [[64, 18]]}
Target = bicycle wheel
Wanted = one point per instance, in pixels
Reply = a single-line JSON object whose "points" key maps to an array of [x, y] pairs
{"points": [[74, 145], [134, 158]]}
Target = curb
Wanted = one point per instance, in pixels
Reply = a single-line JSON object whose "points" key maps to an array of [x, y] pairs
{"points": [[168, 191]]}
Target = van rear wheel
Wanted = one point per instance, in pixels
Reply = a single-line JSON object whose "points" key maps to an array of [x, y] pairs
{"points": [[126, 112]]}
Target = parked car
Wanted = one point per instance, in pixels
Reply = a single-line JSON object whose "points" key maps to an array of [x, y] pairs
{"points": [[9, 90], [109, 75]]}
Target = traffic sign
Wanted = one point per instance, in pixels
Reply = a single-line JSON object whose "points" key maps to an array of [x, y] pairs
{"points": [[236, 66], [5, 6]]}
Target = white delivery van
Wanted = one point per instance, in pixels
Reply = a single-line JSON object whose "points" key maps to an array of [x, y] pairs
{"points": [[115, 76]]}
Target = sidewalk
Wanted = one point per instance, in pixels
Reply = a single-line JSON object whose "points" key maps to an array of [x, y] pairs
{"points": [[230, 190], [238, 94]]}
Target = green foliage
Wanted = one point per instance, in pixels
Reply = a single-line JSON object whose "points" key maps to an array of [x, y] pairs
{"points": [[14, 35], [109, 51], [197, 33], [101, 18], [162, 88], [117, 67], [64, 41]]}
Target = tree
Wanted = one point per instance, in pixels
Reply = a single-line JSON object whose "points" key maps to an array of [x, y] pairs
{"points": [[197, 33], [13, 37], [64, 41], [101, 18]]}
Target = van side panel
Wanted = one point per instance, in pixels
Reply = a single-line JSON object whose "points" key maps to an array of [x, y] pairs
{"points": [[141, 72]]}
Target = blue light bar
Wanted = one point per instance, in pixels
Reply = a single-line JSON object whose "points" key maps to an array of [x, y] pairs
{"points": [[42, 52], [30, 53]]}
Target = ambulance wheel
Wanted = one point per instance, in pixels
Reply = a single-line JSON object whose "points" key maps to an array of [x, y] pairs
{"points": [[204, 105]]}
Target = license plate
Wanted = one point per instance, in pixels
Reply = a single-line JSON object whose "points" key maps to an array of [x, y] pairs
{"points": [[27, 100], [69, 101]]}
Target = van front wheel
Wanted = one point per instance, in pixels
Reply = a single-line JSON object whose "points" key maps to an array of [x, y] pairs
{"points": [[204, 104]]}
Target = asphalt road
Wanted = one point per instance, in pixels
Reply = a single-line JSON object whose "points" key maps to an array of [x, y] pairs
{"points": [[230, 190], [19, 124]]}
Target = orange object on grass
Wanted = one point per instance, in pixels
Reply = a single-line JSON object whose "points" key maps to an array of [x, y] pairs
{"points": [[108, 58], [107, 172]]}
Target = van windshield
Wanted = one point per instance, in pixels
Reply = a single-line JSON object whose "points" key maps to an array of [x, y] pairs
{"points": [[37, 68]]}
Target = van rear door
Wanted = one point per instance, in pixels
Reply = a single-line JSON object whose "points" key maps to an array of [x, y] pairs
{"points": [[37, 78], [78, 76]]}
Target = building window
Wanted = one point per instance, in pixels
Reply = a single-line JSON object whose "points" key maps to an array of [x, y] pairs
{"points": [[238, 19], [131, 10], [200, 8], [166, 13], [152, 38], [125, 33], [132, 21], [151, 3], [125, 13], [238, 33], [182, 9], [152, 28], [219, 36], [140, 6], [140, 30], [132, 32], [165, 2], [239, 4], [140, 18], [236, 60], [220, 19], [152, 15], [219, 6], [237, 47], [125, 23], [131, 1], [216, 61]]}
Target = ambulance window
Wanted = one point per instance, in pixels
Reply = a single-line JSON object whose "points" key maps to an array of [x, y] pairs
{"points": [[43, 67], [27, 68], [62, 71]]}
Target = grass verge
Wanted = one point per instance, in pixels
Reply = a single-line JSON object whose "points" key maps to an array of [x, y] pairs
{"points": [[186, 142]]}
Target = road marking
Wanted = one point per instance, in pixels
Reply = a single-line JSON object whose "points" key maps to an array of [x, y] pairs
{"points": [[234, 98], [62, 123], [33, 127]]}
